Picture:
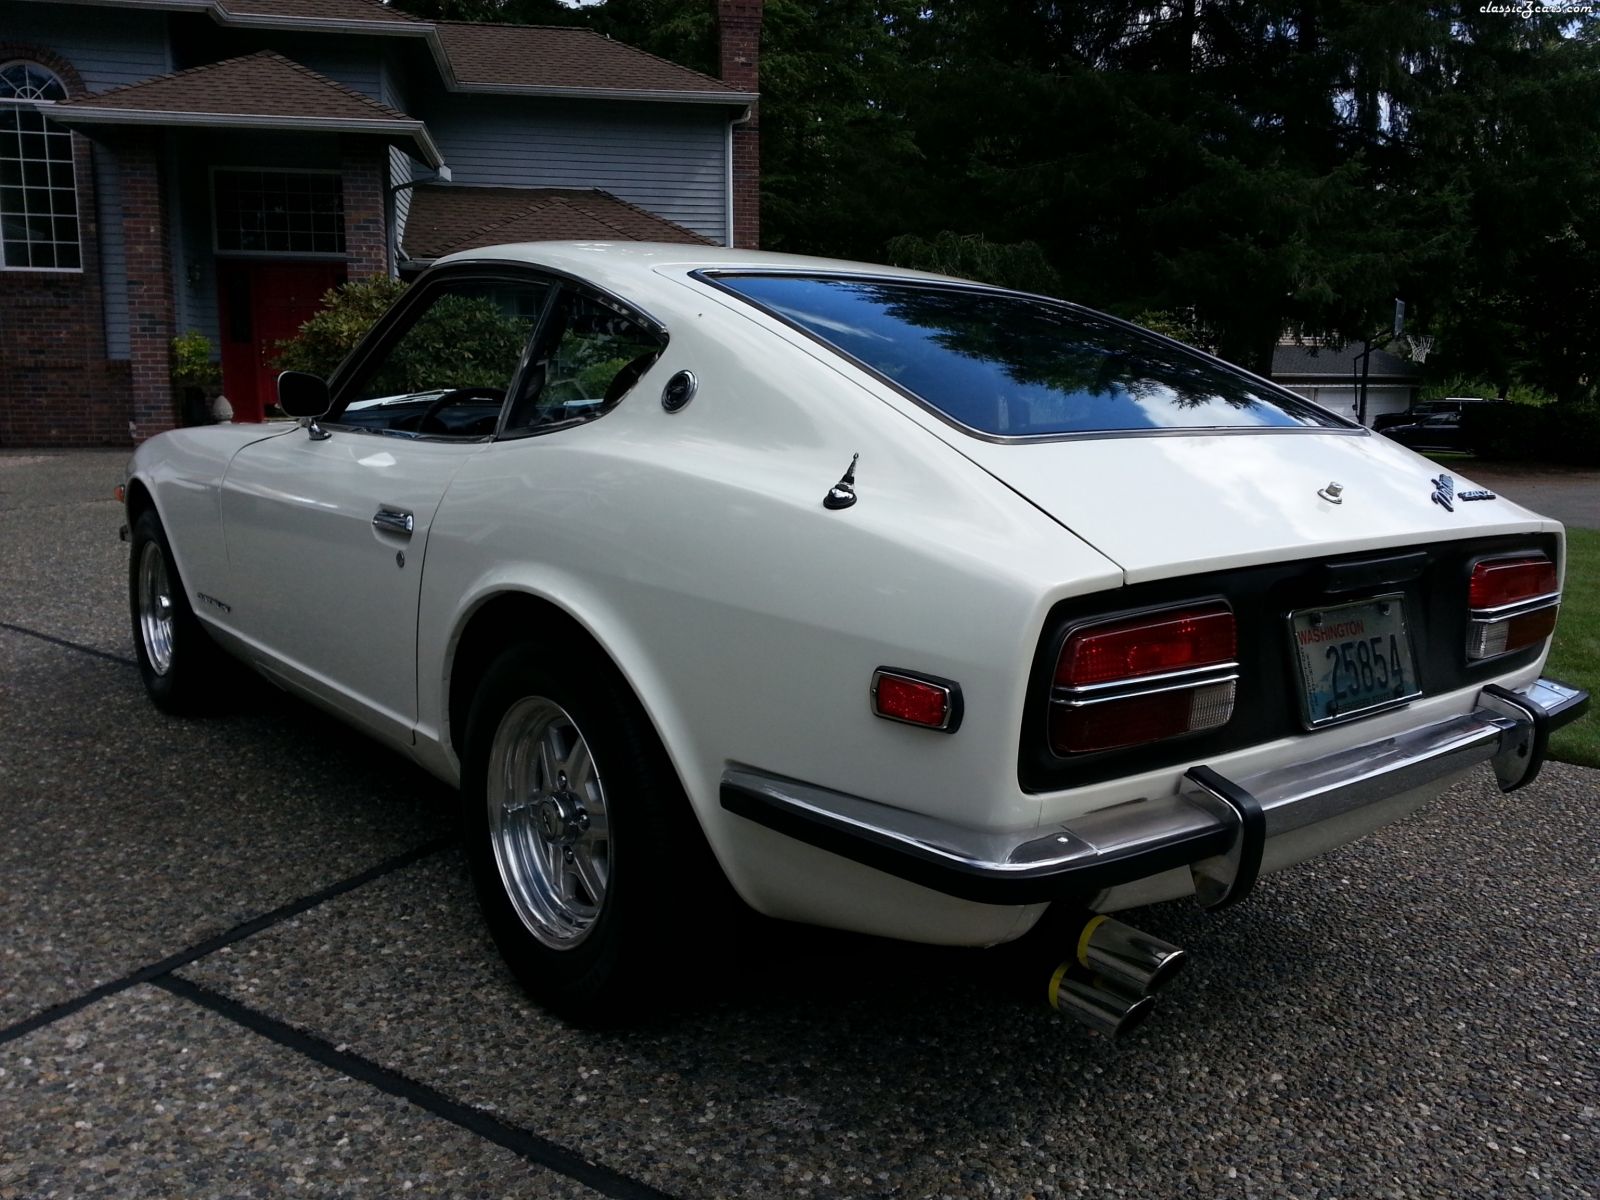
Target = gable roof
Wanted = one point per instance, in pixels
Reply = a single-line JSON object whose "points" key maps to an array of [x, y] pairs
{"points": [[566, 60], [1339, 363], [264, 90], [446, 218]]}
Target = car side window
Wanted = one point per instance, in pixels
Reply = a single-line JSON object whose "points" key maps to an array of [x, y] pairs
{"points": [[448, 373], [591, 354]]}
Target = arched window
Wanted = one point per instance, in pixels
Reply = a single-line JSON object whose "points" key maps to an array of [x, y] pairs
{"points": [[38, 193]]}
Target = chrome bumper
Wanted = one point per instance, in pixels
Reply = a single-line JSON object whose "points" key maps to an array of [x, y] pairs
{"points": [[1215, 826]]}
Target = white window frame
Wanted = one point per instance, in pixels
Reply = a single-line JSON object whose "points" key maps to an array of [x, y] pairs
{"points": [[42, 107]]}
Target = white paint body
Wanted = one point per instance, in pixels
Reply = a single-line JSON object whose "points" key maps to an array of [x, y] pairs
{"points": [[694, 548]]}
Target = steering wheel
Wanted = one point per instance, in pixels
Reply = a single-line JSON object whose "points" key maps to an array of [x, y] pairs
{"points": [[430, 415]]}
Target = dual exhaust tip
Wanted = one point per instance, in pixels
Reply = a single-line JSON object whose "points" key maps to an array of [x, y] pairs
{"points": [[1109, 983]]}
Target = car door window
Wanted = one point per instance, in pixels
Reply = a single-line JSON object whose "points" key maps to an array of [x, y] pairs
{"points": [[592, 353], [448, 372]]}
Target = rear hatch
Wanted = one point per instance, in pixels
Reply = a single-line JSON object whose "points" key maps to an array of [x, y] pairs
{"points": [[1176, 504]]}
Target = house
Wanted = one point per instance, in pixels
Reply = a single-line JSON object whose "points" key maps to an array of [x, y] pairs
{"points": [[1331, 376], [217, 165]]}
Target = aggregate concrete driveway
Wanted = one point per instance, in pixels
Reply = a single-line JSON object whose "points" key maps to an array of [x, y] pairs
{"points": [[239, 957]]}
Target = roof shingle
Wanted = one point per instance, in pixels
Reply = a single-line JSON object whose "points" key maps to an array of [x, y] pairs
{"points": [[554, 56], [320, 10], [263, 84], [445, 219], [1338, 362]]}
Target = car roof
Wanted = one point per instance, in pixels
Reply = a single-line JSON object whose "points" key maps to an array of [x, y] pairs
{"points": [[644, 270]]}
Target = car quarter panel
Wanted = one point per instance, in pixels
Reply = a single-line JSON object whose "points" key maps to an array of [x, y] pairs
{"points": [[748, 618]]}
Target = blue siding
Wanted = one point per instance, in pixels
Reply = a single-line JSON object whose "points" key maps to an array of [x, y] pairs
{"points": [[109, 47], [113, 261], [669, 159]]}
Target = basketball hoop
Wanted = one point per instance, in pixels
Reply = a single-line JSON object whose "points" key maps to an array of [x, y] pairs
{"points": [[1419, 345]]}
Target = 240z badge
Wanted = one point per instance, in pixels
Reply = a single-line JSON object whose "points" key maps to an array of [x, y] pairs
{"points": [[1445, 494]]}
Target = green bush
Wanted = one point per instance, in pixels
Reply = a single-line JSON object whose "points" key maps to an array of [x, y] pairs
{"points": [[1568, 434], [191, 362], [348, 311]]}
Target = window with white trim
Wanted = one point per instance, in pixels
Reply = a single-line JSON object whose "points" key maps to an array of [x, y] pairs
{"points": [[38, 190]]}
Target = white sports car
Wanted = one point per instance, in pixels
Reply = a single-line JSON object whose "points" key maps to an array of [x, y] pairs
{"points": [[902, 604]]}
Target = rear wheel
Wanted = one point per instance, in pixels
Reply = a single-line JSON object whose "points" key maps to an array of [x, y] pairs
{"points": [[583, 847], [177, 658]]}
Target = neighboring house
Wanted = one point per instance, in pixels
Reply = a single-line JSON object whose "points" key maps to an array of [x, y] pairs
{"points": [[217, 165], [1331, 376]]}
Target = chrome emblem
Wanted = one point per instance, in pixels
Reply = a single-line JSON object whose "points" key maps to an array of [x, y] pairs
{"points": [[1479, 494], [1332, 492], [1444, 491]]}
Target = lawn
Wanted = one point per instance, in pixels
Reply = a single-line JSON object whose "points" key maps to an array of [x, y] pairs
{"points": [[1575, 657]]}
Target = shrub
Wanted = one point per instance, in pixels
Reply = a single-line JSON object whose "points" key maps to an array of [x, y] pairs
{"points": [[1554, 433], [191, 362], [348, 311]]}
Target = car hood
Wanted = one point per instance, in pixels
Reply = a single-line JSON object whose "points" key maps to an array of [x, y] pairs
{"points": [[1172, 505]]}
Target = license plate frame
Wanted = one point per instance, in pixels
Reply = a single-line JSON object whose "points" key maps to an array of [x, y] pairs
{"points": [[1319, 692]]}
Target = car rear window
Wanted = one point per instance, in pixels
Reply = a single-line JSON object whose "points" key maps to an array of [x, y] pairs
{"points": [[1008, 365]]}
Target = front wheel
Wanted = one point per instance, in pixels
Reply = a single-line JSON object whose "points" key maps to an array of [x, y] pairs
{"points": [[177, 658], [583, 848]]}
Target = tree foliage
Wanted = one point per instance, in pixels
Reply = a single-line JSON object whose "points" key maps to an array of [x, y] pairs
{"points": [[347, 312], [1254, 165]]}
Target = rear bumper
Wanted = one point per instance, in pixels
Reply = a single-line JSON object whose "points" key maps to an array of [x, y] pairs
{"points": [[1215, 826]]}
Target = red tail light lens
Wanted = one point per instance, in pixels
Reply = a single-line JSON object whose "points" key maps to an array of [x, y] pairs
{"points": [[1151, 645], [1112, 685], [1499, 582]]}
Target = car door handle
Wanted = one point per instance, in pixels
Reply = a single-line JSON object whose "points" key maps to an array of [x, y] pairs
{"points": [[394, 520]]}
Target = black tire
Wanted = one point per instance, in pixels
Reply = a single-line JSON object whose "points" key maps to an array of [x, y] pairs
{"points": [[179, 671], [657, 862]]}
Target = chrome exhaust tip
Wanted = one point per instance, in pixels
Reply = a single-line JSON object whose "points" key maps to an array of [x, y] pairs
{"points": [[1096, 1003], [1128, 957]]}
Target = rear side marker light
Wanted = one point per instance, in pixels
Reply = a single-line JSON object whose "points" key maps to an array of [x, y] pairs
{"points": [[1144, 679], [1514, 603], [915, 699]]}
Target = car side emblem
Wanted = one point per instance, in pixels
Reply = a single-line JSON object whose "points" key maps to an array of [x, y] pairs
{"points": [[1444, 490]]}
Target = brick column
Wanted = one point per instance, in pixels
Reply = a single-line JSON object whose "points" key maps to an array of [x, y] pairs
{"points": [[739, 34], [150, 298], [365, 166]]}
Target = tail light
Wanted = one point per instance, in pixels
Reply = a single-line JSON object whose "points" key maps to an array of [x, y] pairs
{"points": [[1143, 679], [1513, 602]]}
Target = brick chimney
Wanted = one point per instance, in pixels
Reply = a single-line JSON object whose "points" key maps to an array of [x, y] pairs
{"points": [[739, 33]]}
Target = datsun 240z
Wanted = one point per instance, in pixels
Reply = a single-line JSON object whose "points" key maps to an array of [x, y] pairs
{"points": [[902, 604]]}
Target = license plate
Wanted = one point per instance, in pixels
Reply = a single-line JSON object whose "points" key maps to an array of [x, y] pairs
{"points": [[1354, 658]]}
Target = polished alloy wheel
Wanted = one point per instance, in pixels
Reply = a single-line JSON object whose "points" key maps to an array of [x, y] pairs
{"points": [[548, 822], [156, 615]]}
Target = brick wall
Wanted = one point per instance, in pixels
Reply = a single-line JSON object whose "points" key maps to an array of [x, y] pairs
{"points": [[59, 389], [739, 33], [365, 166], [150, 304]]}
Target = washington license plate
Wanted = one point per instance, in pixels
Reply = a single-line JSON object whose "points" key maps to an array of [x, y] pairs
{"points": [[1354, 658]]}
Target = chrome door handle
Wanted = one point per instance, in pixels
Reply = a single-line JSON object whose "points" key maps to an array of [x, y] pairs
{"points": [[394, 520]]}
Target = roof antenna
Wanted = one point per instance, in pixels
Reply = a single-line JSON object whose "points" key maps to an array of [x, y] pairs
{"points": [[843, 493]]}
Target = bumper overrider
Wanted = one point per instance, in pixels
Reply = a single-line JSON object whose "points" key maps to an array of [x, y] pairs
{"points": [[1216, 826]]}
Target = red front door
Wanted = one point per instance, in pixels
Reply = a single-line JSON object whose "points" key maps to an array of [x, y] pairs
{"points": [[262, 304]]}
